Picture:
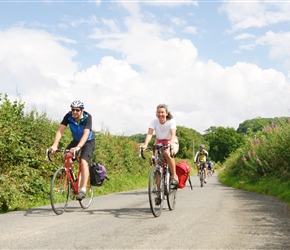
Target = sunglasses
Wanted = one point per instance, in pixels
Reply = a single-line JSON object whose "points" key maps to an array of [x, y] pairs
{"points": [[75, 110]]}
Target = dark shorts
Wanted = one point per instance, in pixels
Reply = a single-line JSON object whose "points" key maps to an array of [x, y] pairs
{"points": [[86, 151], [202, 165]]}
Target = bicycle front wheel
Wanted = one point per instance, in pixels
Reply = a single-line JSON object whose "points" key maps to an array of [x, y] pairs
{"points": [[86, 202], [171, 195], [59, 191], [155, 187], [201, 177]]}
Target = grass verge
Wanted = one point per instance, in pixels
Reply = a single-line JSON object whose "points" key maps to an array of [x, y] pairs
{"points": [[267, 185]]}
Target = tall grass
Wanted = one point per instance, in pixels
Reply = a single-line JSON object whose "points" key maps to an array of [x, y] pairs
{"points": [[262, 164]]}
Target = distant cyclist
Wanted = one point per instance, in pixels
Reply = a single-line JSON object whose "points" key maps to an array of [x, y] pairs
{"points": [[210, 166], [200, 160], [80, 123]]}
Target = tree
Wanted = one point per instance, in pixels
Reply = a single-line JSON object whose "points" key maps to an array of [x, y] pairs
{"points": [[189, 140], [222, 142], [257, 124]]}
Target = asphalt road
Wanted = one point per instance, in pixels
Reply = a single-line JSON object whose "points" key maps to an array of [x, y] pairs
{"points": [[212, 217]]}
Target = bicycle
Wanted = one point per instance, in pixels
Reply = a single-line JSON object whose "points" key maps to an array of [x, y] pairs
{"points": [[201, 172], [159, 186], [209, 172], [65, 184]]}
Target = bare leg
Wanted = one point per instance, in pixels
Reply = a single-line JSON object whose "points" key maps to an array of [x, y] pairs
{"points": [[170, 161], [84, 173]]}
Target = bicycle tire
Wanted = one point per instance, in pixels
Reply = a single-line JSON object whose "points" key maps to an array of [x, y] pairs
{"points": [[86, 202], [201, 177], [166, 182], [59, 191], [209, 174], [154, 193], [171, 194]]}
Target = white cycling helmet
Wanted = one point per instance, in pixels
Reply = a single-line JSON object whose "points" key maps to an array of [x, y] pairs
{"points": [[77, 104]]}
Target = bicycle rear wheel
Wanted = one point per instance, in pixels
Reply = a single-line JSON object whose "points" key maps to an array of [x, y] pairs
{"points": [[209, 174], [155, 193], [86, 202], [59, 191], [171, 194]]}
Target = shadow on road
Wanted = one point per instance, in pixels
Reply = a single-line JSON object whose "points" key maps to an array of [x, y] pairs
{"points": [[125, 213]]}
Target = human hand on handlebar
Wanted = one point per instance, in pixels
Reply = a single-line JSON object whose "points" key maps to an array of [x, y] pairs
{"points": [[53, 149]]}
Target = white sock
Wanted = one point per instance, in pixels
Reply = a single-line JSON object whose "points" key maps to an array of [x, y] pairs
{"points": [[84, 190]]}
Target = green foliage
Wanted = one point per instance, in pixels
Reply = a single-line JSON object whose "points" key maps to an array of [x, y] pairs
{"points": [[266, 153], [263, 160], [23, 178], [119, 154], [189, 141], [267, 185], [258, 124], [222, 142], [25, 175], [140, 138]]}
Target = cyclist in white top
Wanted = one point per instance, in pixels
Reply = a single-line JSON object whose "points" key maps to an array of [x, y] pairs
{"points": [[165, 130]]}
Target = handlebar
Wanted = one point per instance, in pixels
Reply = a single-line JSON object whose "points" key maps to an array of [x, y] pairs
{"points": [[142, 151], [156, 147], [48, 152]]}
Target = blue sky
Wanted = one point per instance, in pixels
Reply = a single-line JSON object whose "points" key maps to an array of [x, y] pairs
{"points": [[215, 63]]}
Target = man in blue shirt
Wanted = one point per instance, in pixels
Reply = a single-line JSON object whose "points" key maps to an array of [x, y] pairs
{"points": [[80, 123]]}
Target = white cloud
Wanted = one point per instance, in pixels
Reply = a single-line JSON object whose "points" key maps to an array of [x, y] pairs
{"points": [[122, 93], [171, 3], [247, 14], [244, 36], [279, 43]]}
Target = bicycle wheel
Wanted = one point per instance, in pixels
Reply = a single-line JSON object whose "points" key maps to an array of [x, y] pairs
{"points": [[86, 202], [59, 191], [201, 177], [171, 194], [209, 173], [155, 194]]}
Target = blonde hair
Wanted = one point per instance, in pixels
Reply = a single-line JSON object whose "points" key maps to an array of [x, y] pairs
{"points": [[164, 106]]}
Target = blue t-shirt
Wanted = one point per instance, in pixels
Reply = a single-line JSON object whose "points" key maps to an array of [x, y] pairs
{"points": [[77, 129]]}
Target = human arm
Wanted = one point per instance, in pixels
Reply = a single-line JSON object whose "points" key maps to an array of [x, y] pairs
{"points": [[196, 157], [172, 139], [148, 138], [57, 138]]}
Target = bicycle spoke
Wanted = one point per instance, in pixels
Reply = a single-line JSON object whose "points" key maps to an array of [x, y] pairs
{"points": [[86, 202], [155, 186], [171, 195], [201, 177], [59, 191]]}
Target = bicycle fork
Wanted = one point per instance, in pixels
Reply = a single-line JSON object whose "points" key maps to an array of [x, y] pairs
{"points": [[159, 181], [166, 180]]}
